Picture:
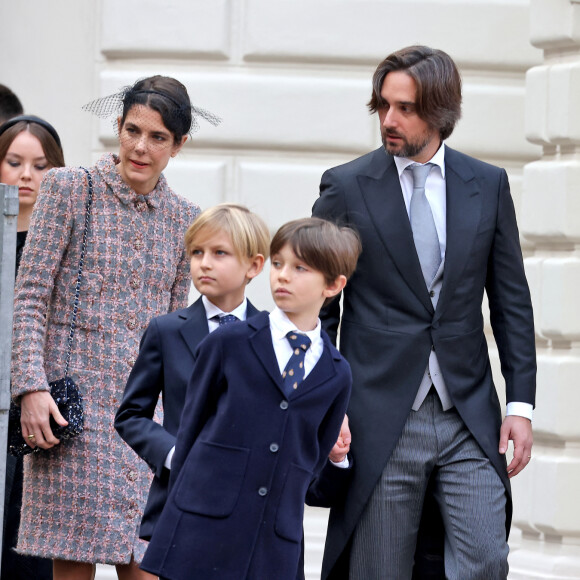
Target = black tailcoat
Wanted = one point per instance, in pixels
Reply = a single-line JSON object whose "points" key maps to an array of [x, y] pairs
{"points": [[389, 325]]}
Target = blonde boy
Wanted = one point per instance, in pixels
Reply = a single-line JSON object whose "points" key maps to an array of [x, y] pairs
{"points": [[228, 245]]}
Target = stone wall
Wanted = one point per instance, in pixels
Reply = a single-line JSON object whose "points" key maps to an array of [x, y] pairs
{"points": [[548, 510]]}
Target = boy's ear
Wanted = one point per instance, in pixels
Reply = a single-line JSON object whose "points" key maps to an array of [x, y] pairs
{"points": [[255, 267], [335, 287]]}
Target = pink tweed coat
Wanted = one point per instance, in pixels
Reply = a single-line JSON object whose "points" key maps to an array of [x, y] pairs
{"points": [[83, 499]]}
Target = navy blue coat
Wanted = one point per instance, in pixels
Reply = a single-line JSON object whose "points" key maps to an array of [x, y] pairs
{"points": [[245, 458], [164, 365]]}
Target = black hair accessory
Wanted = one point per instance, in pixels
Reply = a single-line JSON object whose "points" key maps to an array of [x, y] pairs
{"points": [[111, 106], [31, 119]]}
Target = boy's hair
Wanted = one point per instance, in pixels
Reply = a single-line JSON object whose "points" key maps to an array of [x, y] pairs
{"points": [[322, 245], [248, 232]]}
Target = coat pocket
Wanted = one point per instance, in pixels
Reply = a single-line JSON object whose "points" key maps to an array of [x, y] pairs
{"points": [[89, 315], [211, 479], [290, 513]]}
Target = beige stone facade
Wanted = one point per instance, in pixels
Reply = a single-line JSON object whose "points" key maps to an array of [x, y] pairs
{"points": [[291, 79]]}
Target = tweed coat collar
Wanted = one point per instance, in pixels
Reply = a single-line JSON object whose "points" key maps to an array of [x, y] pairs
{"points": [[107, 167]]}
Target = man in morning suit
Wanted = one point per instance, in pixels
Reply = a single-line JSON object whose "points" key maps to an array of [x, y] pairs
{"points": [[438, 228]]}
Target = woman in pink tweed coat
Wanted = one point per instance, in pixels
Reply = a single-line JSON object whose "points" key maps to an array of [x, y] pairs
{"points": [[83, 497]]}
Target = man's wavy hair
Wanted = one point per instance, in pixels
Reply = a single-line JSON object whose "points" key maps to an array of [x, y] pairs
{"points": [[438, 100]]}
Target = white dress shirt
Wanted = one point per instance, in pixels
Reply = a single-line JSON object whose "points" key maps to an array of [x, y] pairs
{"points": [[280, 326], [212, 310]]}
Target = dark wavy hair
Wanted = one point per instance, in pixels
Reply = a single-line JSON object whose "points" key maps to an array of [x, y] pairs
{"points": [[165, 95], [438, 100]]}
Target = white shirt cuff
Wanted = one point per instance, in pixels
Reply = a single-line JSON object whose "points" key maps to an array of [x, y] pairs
{"points": [[520, 409], [344, 464], [169, 458]]}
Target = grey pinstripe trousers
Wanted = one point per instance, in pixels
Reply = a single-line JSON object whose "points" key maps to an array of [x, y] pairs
{"points": [[469, 492]]}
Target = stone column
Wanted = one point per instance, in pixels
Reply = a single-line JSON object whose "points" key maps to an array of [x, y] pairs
{"points": [[547, 509]]}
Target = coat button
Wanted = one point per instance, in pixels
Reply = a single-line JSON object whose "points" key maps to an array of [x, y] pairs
{"points": [[432, 293], [274, 447], [263, 491], [141, 206], [131, 362], [135, 282], [138, 244], [284, 405], [132, 475], [131, 324]]}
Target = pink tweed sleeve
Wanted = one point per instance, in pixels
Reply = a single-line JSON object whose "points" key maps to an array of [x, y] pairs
{"points": [[47, 240]]}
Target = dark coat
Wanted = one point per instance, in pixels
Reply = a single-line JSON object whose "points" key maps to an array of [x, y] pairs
{"points": [[245, 457], [389, 326], [164, 365]]}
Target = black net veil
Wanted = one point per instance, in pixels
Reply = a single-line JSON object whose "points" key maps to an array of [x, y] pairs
{"points": [[180, 118]]}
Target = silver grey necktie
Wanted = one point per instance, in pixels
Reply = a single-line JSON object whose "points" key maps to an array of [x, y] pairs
{"points": [[423, 224]]}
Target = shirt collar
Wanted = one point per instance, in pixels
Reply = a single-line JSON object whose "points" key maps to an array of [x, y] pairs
{"points": [[281, 325], [438, 159], [212, 310]]}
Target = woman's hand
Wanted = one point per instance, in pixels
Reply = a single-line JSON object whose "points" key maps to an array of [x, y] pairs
{"points": [[36, 409]]}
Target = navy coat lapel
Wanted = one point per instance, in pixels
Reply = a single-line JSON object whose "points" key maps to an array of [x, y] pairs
{"points": [[251, 310], [194, 328], [323, 371], [463, 216], [261, 343], [381, 190]]}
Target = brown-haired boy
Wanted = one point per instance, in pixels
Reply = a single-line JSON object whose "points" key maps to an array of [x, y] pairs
{"points": [[263, 410], [227, 245]]}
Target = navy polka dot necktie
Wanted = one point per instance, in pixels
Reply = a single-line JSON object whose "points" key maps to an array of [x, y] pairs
{"points": [[225, 319], [293, 374]]}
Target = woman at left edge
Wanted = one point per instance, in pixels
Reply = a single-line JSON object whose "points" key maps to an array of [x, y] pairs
{"points": [[83, 498]]}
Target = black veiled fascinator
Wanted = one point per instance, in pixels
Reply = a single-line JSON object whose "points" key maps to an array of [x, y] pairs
{"points": [[179, 117]]}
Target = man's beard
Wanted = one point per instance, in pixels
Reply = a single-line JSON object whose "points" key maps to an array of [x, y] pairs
{"points": [[406, 148]]}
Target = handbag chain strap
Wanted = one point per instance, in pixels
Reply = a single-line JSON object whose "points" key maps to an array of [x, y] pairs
{"points": [[80, 272]]}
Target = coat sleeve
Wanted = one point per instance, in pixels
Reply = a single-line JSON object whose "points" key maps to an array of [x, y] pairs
{"points": [[50, 231], [510, 303], [330, 481], [182, 282], [331, 206], [204, 389], [134, 419]]}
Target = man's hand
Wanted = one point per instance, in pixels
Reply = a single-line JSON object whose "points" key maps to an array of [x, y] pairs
{"points": [[519, 430], [342, 445]]}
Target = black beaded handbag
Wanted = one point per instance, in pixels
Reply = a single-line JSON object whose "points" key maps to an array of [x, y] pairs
{"points": [[64, 391]]}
